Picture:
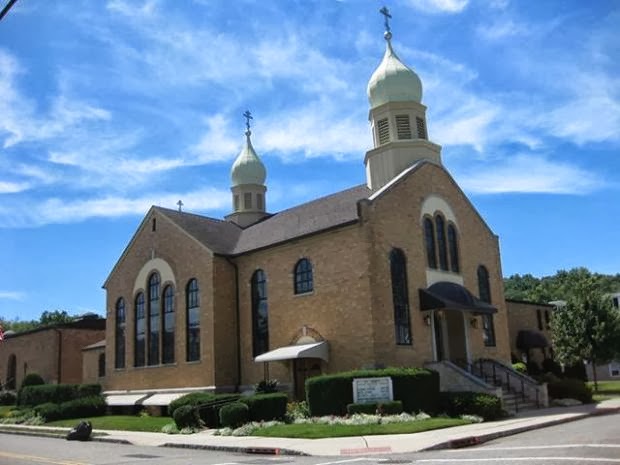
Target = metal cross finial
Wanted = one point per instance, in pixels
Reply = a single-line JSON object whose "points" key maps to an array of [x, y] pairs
{"points": [[385, 12], [248, 117], [180, 204]]}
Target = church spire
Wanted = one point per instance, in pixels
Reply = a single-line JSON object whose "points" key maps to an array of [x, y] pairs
{"points": [[397, 116], [248, 182]]}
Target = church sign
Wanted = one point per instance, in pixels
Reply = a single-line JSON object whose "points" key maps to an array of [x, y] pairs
{"points": [[370, 390]]}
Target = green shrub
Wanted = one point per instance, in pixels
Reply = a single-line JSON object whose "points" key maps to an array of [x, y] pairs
{"points": [[193, 399], [186, 416], [91, 406], [368, 408], [7, 398], [32, 379], [520, 367], [209, 412], [57, 393], [87, 390], [295, 410], [576, 371], [266, 407], [533, 369], [50, 411], [486, 406], [416, 388], [266, 386], [551, 366], [569, 389], [234, 414], [390, 408], [381, 408]]}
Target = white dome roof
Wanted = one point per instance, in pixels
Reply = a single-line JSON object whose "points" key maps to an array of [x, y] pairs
{"points": [[393, 81], [247, 168]]}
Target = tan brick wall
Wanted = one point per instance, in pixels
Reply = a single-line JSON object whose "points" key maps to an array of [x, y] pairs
{"points": [[90, 366], [523, 316], [188, 259]]}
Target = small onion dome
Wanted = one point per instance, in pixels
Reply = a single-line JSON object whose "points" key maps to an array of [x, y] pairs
{"points": [[247, 168], [393, 81]]}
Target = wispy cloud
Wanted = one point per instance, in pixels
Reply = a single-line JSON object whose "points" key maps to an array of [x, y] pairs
{"points": [[12, 295], [500, 29], [439, 6], [529, 174]]}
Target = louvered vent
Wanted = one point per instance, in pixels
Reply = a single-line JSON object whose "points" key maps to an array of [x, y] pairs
{"points": [[403, 127], [383, 128], [421, 128]]}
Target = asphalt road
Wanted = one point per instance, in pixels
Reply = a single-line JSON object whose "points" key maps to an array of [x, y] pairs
{"points": [[593, 440]]}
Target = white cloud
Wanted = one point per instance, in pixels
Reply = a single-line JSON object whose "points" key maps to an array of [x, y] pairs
{"points": [[12, 295], [8, 187], [529, 174], [439, 6], [500, 29]]}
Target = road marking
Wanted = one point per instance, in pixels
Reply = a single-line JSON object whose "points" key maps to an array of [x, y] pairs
{"points": [[521, 459], [34, 458], [359, 459]]}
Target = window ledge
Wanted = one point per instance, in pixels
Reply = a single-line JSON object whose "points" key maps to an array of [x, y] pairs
{"points": [[304, 294]]}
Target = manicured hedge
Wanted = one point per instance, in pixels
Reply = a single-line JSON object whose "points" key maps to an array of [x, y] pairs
{"points": [[234, 414], [32, 379], [569, 389], [91, 406], [7, 398], [416, 388], [186, 416], [384, 408], [486, 406], [193, 399], [266, 407], [55, 393]]}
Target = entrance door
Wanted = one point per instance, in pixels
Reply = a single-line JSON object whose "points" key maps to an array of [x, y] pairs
{"points": [[304, 368], [439, 348]]}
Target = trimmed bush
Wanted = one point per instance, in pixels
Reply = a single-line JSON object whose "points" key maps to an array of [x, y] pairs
{"points": [[209, 412], [7, 398], [92, 406], [186, 416], [569, 389], [266, 407], [520, 367], [486, 406], [416, 388], [194, 399], [234, 414], [368, 409], [32, 379], [56, 393], [390, 408], [382, 408], [551, 366], [88, 390], [50, 411], [266, 386], [576, 371]]}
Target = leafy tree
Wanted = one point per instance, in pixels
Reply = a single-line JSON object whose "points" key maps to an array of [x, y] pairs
{"points": [[55, 317], [588, 328], [47, 318]]}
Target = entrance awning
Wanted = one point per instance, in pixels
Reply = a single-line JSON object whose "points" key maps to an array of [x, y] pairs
{"points": [[530, 339], [313, 350], [452, 296]]}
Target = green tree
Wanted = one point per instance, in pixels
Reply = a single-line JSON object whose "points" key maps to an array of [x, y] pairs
{"points": [[55, 317], [588, 328]]}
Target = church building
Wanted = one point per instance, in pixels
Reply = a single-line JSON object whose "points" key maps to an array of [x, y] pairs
{"points": [[399, 271]]}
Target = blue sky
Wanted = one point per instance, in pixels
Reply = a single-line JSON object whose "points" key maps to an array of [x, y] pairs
{"points": [[109, 107]]}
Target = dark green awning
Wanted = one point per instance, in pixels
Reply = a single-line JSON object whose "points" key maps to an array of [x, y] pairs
{"points": [[452, 296]]}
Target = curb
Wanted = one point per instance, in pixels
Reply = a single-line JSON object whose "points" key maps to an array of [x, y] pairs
{"points": [[245, 450]]}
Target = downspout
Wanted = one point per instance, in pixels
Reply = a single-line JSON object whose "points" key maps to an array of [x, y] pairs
{"points": [[237, 314]]}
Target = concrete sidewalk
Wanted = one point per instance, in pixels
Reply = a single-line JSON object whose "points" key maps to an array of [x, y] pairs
{"points": [[459, 436]]}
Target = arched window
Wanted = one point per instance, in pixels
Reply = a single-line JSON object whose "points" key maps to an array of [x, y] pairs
{"points": [[429, 238], [119, 334], [453, 248], [260, 314], [400, 296], [441, 242], [484, 292], [193, 320], [140, 332], [168, 329], [11, 372], [154, 319], [303, 276]]}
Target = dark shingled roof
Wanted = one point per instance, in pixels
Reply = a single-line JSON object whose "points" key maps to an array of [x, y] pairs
{"points": [[226, 238]]}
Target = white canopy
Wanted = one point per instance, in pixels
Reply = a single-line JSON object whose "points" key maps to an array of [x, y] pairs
{"points": [[313, 350], [124, 399]]}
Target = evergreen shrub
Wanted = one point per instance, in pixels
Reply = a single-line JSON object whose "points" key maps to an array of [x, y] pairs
{"points": [[487, 406], [569, 389], [50, 411], [87, 390], [209, 412], [194, 399], [234, 414], [41, 394], [186, 416], [383, 408], [266, 407], [520, 367], [416, 388], [7, 398], [92, 406], [32, 379]]}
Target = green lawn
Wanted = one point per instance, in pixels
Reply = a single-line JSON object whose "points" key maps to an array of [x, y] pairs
{"points": [[316, 431], [119, 422], [5, 409], [606, 390]]}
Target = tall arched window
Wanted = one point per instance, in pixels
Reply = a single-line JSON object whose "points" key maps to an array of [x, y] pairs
{"points": [[168, 329], [140, 332], [11, 373], [441, 242], [400, 297], [429, 239], [193, 320], [154, 319], [453, 248], [484, 292], [119, 334], [260, 314], [303, 276]]}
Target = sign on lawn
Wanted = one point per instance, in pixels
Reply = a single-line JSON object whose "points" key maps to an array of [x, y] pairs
{"points": [[369, 390]]}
